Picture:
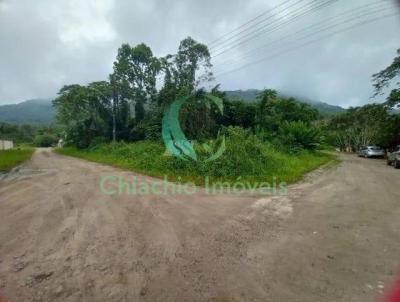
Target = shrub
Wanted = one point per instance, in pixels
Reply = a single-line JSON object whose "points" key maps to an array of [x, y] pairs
{"points": [[245, 155], [45, 140], [298, 135], [246, 158]]}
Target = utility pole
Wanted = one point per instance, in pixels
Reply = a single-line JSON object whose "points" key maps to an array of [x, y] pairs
{"points": [[114, 102]]}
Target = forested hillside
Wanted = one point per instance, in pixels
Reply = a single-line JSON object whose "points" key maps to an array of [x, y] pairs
{"points": [[250, 95], [37, 111], [41, 111]]}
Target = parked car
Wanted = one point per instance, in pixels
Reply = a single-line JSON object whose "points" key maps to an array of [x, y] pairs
{"points": [[393, 157], [371, 151]]}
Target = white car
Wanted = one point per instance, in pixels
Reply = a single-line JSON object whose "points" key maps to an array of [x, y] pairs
{"points": [[371, 151], [394, 157]]}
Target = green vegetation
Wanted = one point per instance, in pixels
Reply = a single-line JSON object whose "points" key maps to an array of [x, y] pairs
{"points": [[377, 124], [12, 158], [250, 95], [45, 140], [34, 135], [18, 133], [39, 111], [361, 126], [387, 78], [246, 157], [119, 122]]}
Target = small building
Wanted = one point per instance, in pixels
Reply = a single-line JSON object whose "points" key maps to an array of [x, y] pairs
{"points": [[6, 145], [60, 143]]}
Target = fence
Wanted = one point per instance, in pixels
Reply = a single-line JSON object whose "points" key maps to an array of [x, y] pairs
{"points": [[6, 145]]}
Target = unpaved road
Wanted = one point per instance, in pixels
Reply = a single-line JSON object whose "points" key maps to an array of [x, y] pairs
{"points": [[335, 237]]}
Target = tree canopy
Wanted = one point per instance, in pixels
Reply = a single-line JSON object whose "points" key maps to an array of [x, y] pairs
{"points": [[129, 106], [386, 78]]}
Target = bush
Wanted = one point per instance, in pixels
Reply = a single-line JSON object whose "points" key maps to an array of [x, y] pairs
{"points": [[97, 141], [298, 135], [45, 140], [246, 157]]}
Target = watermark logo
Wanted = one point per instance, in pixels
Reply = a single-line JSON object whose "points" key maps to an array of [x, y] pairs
{"points": [[113, 185], [175, 140]]}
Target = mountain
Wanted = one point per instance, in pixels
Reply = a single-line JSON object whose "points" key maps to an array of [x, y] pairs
{"points": [[251, 94], [248, 95], [41, 111], [37, 111]]}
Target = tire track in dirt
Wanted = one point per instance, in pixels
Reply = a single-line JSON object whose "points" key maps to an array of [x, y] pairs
{"points": [[332, 238]]}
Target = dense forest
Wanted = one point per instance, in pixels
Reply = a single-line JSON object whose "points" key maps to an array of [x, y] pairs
{"points": [[31, 134], [130, 104]]}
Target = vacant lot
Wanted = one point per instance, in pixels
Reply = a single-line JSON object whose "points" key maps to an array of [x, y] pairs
{"points": [[262, 165], [333, 238]]}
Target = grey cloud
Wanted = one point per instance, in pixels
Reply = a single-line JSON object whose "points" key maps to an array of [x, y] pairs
{"points": [[46, 44]]}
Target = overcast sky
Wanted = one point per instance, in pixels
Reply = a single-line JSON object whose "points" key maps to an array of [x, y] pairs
{"points": [[46, 44]]}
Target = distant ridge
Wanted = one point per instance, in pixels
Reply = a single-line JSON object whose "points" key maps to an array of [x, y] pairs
{"points": [[251, 94], [36, 111], [41, 111]]}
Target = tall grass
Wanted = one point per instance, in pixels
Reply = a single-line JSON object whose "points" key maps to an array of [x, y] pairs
{"points": [[12, 158], [246, 157]]}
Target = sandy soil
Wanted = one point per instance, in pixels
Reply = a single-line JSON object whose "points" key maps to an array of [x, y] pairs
{"points": [[335, 237]]}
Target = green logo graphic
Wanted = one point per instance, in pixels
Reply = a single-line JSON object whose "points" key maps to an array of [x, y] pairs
{"points": [[175, 140]]}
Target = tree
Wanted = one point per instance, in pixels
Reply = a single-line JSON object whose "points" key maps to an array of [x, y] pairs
{"points": [[384, 79], [191, 57], [135, 71], [45, 140], [298, 135], [86, 112], [238, 113], [273, 111], [183, 74], [168, 92], [393, 99], [18, 133], [265, 100], [360, 126], [266, 96], [185, 71]]}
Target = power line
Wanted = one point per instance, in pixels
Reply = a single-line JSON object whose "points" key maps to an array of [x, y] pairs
{"points": [[276, 17], [354, 14], [310, 42], [249, 22], [258, 23], [356, 10], [264, 29]]}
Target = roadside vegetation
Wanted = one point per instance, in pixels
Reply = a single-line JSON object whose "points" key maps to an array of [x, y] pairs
{"points": [[272, 138], [12, 158], [251, 160], [373, 124], [119, 122], [31, 134], [377, 124]]}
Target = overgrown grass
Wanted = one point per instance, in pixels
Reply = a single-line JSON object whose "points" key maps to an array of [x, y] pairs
{"points": [[246, 158], [12, 158]]}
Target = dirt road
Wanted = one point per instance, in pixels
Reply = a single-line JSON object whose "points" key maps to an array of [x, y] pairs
{"points": [[335, 237]]}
